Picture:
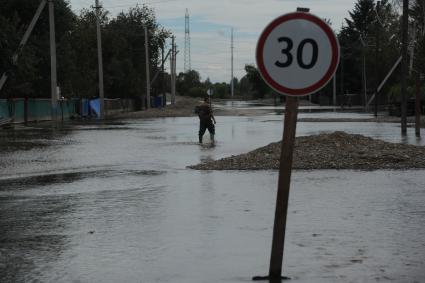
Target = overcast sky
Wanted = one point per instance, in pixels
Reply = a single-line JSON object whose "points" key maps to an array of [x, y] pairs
{"points": [[211, 23]]}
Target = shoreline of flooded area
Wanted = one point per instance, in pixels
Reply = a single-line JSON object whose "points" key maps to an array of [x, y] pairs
{"points": [[116, 204]]}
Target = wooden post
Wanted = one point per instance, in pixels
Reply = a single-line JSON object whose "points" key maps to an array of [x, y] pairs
{"points": [[334, 91], [100, 61], [164, 96], [148, 80], [266, 54], [364, 76], [418, 107], [342, 101], [232, 86], [377, 72], [404, 71], [26, 110], [173, 71], [284, 182], [279, 229], [53, 74]]}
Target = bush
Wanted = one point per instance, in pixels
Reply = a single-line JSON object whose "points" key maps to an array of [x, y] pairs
{"points": [[197, 92], [394, 94]]}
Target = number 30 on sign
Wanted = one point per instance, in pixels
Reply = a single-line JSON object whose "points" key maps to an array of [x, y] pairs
{"points": [[297, 54]]}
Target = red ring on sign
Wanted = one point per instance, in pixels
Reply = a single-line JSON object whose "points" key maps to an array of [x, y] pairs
{"points": [[314, 87]]}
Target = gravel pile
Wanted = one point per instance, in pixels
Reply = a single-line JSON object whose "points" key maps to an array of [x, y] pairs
{"points": [[337, 150]]}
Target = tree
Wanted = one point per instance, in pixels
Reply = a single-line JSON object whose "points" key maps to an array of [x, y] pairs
{"points": [[259, 87], [84, 76], [123, 50], [358, 39], [31, 75], [417, 12], [187, 81], [208, 84], [221, 90], [235, 86], [353, 40], [245, 86]]}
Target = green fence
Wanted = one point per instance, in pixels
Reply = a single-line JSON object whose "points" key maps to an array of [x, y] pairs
{"points": [[36, 109], [4, 110], [32, 110]]}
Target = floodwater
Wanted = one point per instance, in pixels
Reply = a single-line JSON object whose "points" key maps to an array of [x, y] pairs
{"points": [[114, 202]]}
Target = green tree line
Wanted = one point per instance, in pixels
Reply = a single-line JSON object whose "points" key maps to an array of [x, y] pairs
{"points": [[190, 84], [123, 50], [370, 44]]}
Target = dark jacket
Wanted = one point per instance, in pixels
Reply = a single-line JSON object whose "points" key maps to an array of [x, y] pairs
{"points": [[204, 113]]}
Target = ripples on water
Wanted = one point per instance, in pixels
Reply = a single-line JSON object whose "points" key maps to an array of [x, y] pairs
{"points": [[116, 204]]}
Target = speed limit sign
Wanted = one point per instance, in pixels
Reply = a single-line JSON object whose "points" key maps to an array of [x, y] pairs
{"points": [[297, 54]]}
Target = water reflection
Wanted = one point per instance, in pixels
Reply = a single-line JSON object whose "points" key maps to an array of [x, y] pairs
{"points": [[34, 235]]}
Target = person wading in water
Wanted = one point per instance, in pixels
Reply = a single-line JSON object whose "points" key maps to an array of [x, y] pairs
{"points": [[206, 119]]}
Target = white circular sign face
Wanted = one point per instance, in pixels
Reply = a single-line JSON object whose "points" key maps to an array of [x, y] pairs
{"points": [[297, 54]]}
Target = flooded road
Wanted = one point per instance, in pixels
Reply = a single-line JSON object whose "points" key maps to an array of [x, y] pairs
{"points": [[115, 203]]}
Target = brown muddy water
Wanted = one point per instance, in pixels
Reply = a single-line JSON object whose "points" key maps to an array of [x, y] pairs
{"points": [[115, 203]]}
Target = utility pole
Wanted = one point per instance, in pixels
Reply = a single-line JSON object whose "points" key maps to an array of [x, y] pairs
{"points": [[172, 71], [232, 87], [164, 96], [175, 71], [53, 74], [148, 80], [187, 59], [342, 77], [100, 61], [364, 43], [385, 80], [334, 90], [412, 48], [405, 26], [364, 77], [377, 77], [418, 106]]}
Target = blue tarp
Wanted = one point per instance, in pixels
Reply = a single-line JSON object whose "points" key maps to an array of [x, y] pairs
{"points": [[85, 111], [95, 106], [158, 101]]}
